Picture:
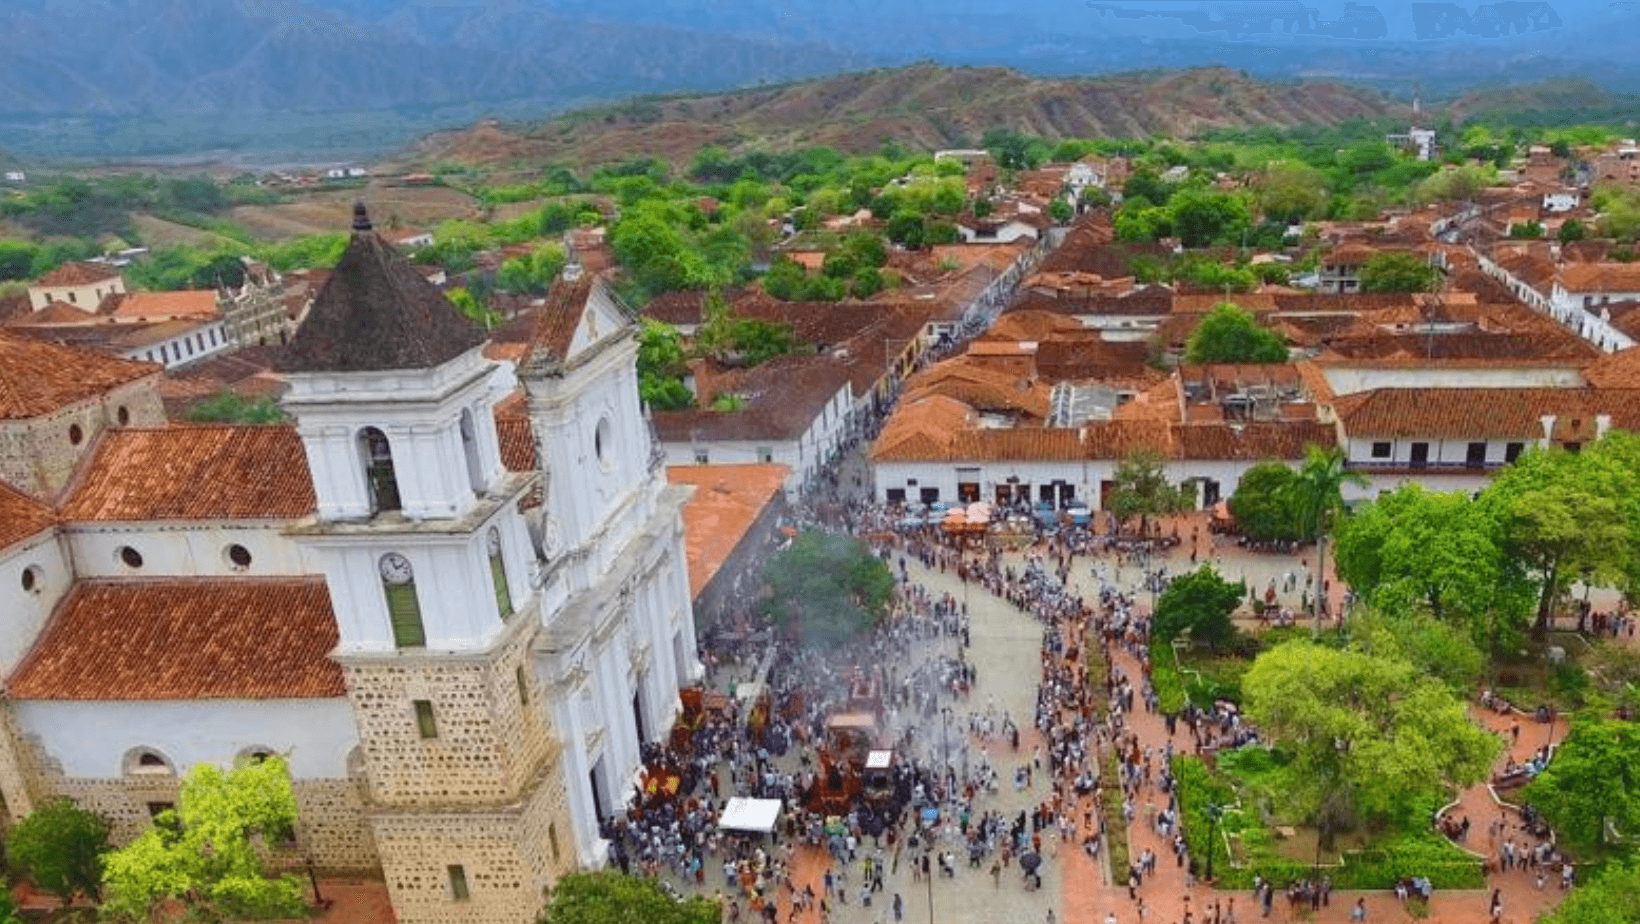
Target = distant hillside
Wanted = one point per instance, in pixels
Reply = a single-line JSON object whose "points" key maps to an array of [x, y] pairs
{"points": [[922, 105], [1565, 98]]}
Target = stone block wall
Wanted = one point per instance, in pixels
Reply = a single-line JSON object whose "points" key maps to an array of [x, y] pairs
{"points": [[505, 856], [489, 739]]}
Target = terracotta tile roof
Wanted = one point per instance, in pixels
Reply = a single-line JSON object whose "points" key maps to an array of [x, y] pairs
{"points": [[377, 312], [1034, 325], [783, 396], [1111, 361], [21, 516], [1115, 439], [1482, 413], [517, 435], [554, 325], [1601, 277], [193, 473], [38, 378], [196, 303], [179, 639], [922, 428], [727, 500], [14, 306], [77, 274], [56, 312]]}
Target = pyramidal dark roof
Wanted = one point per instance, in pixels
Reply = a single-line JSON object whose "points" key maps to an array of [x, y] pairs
{"points": [[376, 312]]}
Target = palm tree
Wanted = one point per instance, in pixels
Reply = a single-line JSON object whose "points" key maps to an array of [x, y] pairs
{"points": [[1317, 498]]}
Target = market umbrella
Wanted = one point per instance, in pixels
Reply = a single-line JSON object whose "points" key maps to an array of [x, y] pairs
{"points": [[1029, 862]]}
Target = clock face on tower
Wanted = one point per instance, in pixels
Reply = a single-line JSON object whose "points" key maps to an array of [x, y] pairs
{"points": [[396, 569]]}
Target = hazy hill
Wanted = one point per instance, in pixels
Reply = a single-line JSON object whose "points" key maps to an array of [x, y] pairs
{"points": [[313, 78], [921, 105]]}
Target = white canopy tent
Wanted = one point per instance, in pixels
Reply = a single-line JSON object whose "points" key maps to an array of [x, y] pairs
{"points": [[753, 815]]}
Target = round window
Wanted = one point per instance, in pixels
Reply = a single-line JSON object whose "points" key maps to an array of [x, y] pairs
{"points": [[33, 578], [75, 434], [123, 416], [130, 557], [238, 556]]}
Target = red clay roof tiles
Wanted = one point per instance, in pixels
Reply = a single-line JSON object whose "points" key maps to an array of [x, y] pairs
{"points": [[39, 378], [176, 639], [194, 473]]}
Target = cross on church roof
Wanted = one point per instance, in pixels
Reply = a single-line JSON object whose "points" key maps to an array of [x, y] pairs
{"points": [[375, 313]]}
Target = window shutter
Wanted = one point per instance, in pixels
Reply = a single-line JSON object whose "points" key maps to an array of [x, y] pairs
{"points": [[405, 612], [503, 598]]}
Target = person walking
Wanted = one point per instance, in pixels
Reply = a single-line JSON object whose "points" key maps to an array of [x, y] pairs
{"points": [[1497, 905], [1359, 912], [899, 907]]}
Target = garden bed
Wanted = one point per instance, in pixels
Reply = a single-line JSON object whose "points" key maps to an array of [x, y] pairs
{"points": [[1246, 835]]}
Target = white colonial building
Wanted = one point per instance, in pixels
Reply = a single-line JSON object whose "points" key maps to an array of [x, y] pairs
{"points": [[461, 661]]}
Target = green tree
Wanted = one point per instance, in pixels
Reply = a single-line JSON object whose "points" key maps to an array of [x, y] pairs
{"points": [[1612, 897], [1571, 230], [203, 851], [1202, 216], [1438, 553], [17, 259], [1567, 514], [1290, 191], [828, 588], [1368, 735], [1393, 271], [479, 312], [1263, 503], [1318, 496], [1145, 183], [1526, 230], [1142, 489], [1060, 211], [610, 897], [1230, 334], [661, 366], [60, 847], [1200, 602], [1593, 781], [231, 407], [1437, 648]]}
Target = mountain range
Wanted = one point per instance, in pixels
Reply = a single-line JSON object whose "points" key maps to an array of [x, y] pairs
{"points": [[112, 78], [925, 106]]}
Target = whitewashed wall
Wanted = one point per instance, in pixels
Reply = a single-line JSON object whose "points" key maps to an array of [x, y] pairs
{"points": [[91, 739], [186, 549], [23, 612]]}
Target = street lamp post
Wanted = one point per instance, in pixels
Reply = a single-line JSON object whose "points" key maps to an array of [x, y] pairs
{"points": [[1214, 811]]}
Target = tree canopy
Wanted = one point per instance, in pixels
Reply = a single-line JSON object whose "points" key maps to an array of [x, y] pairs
{"points": [[1612, 897], [60, 847], [1142, 489], [1594, 778], [1393, 271], [1263, 503], [1566, 515], [610, 897], [1439, 553], [203, 851], [1230, 334], [1200, 601], [828, 587], [1367, 734]]}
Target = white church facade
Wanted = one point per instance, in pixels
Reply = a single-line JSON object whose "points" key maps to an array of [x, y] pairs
{"points": [[461, 662]]}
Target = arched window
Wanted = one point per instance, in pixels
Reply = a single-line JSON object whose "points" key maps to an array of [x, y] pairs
{"points": [[146, 762], [378, 470], [498, 574], [469, 447], [403, 609]]}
